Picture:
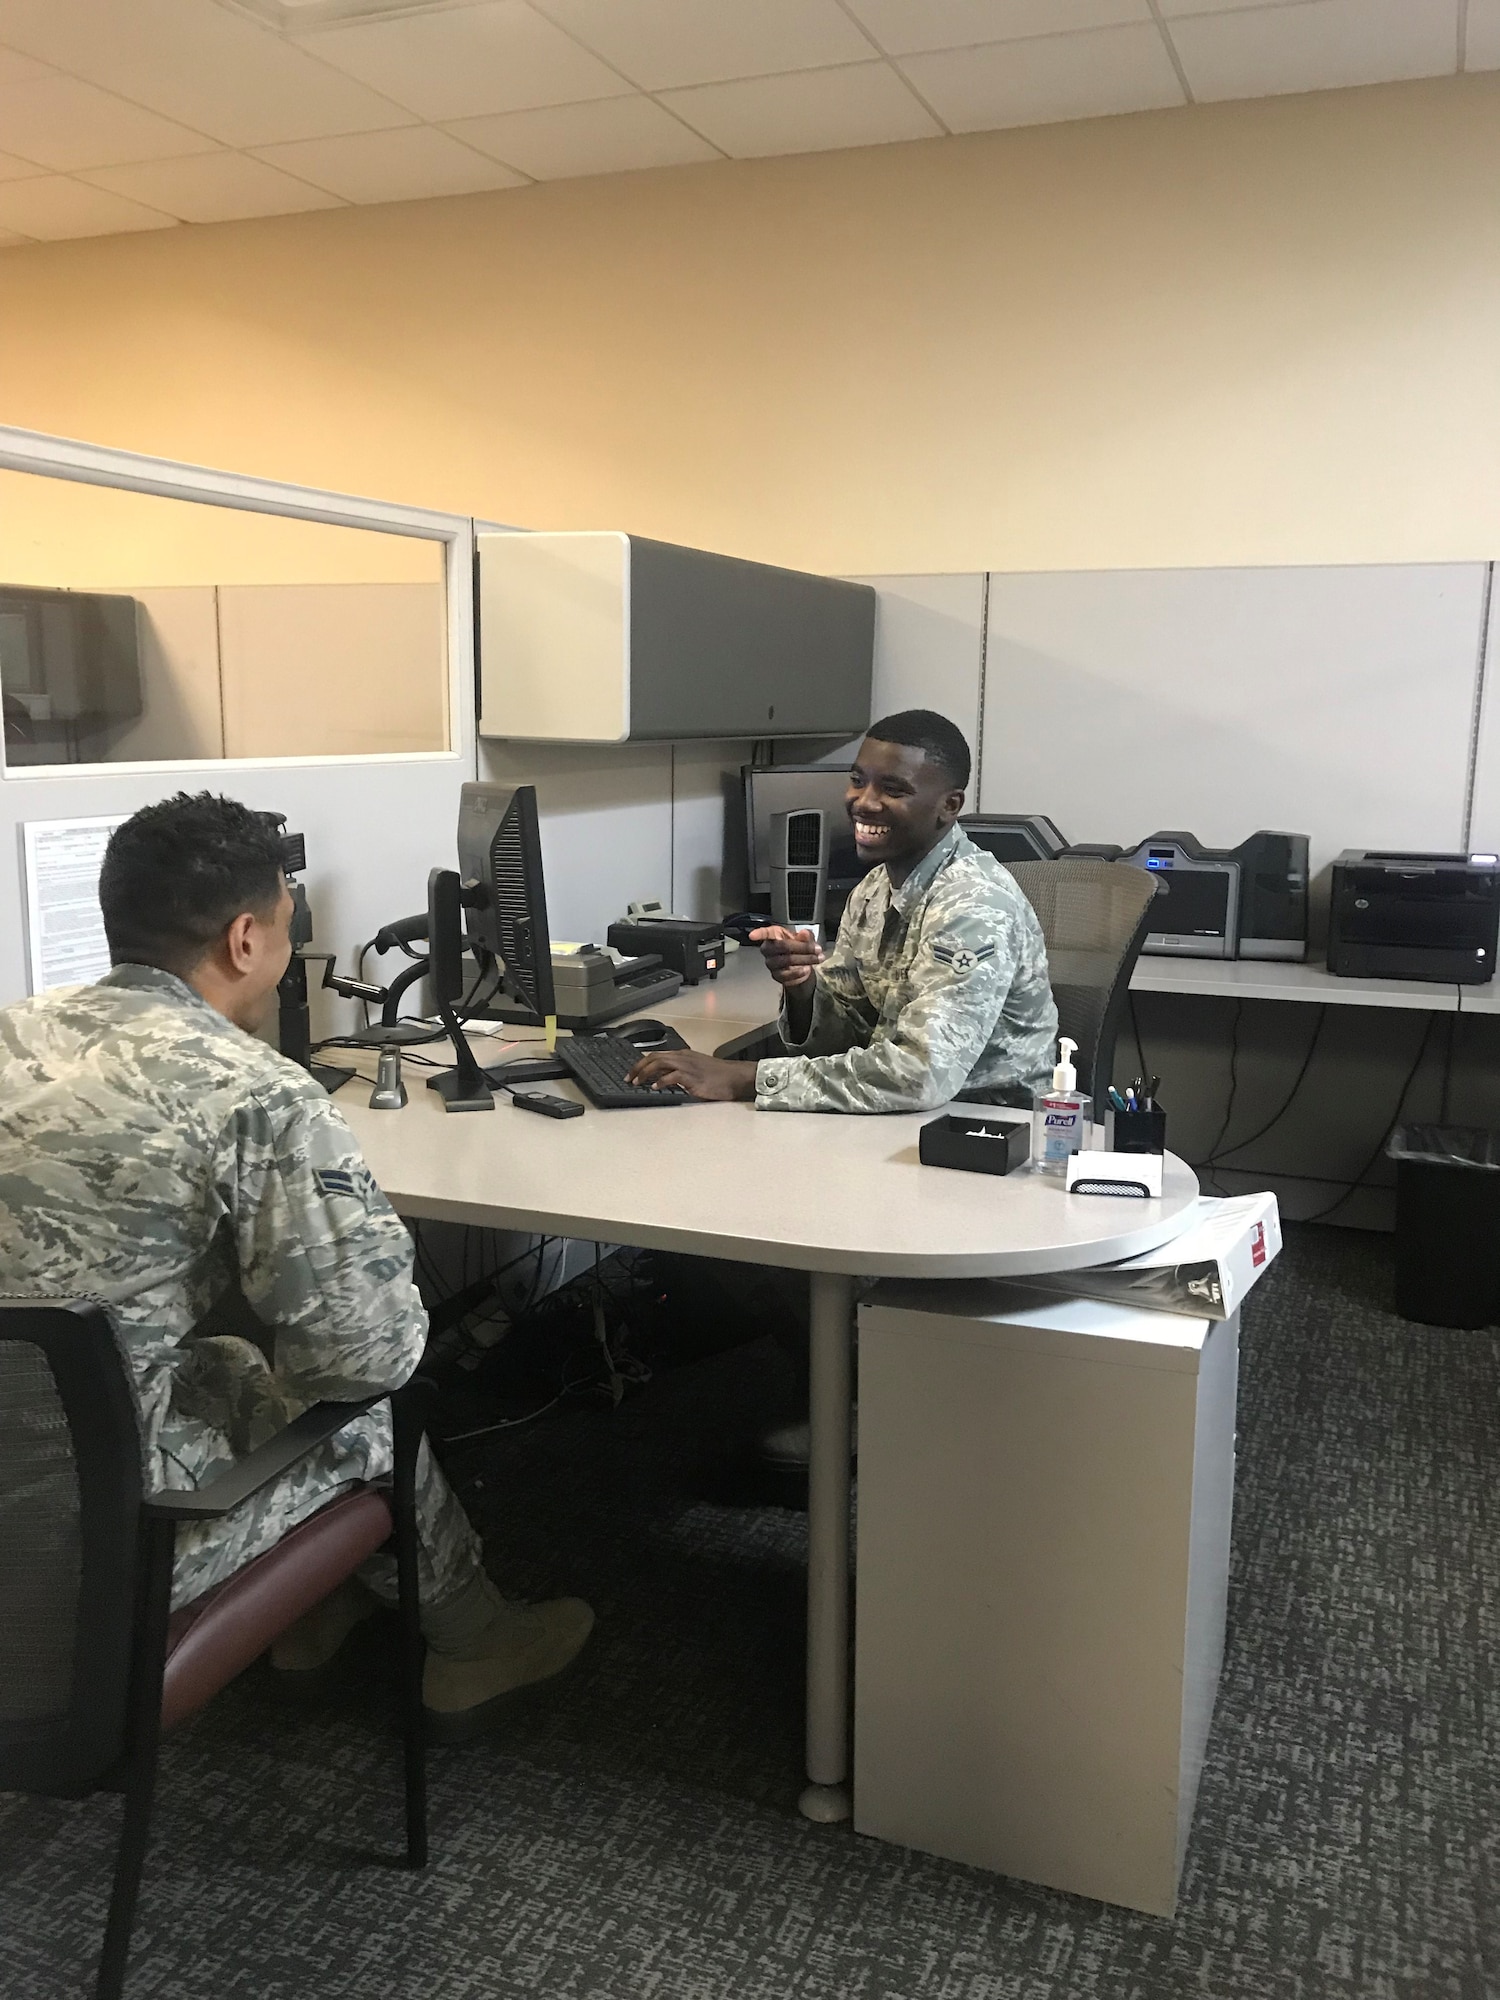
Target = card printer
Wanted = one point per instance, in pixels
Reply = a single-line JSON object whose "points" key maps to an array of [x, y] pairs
{"points": [[1248, 901], [1414, 916]]}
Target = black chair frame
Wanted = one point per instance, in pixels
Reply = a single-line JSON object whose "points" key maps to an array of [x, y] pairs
{"points": [[110, 1736]]}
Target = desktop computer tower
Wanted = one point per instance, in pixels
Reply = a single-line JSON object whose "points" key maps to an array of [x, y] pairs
{"points": [[799, 868]]}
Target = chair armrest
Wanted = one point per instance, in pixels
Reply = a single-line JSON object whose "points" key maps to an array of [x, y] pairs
{"points": [[246, 1476]]}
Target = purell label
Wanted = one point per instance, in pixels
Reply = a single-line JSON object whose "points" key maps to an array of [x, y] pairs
{"points": [[1062, 1116]]}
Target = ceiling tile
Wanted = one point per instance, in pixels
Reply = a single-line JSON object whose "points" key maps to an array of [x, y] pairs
{"points": [[1172, 8], [407, 165], [1482, 43], [1323, 45], [62, 123], [1047, 78], [465, 61], [811, 111], [218, 187], [52, 207], [661, 44], [610, 136], [903, 26], [197, 62], [20, 69], [17, 170]]}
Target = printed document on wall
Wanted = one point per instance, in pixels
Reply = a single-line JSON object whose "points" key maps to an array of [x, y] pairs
{"points": [[64, 926]]}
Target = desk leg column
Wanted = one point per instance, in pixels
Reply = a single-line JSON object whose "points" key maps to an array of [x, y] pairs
{"points": [[827, 1795]]}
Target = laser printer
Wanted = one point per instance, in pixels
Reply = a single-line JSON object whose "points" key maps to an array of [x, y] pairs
{"points": [[1414, 916]]}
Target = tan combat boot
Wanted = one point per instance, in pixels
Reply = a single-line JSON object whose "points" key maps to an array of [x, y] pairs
{"points": [[485, 1656]]}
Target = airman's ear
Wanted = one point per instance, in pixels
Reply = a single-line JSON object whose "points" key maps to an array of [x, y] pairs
{"points": [[239, 941]]}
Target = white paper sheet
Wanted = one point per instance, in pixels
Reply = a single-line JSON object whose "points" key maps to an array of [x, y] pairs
{"points": [[64, 927]]}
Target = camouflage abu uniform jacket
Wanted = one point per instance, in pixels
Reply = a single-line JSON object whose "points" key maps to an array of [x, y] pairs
{"points": [[154, 1155], [933, 988]]}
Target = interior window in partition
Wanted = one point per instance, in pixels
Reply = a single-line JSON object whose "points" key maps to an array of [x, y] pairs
{"points": [[140, 630]]}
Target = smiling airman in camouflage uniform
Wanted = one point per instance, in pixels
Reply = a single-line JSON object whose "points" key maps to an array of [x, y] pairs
{"points": [[159, 1158], [934, 987]]}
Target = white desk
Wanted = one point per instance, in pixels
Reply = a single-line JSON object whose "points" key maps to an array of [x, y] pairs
{"points": [[1260, 979], [842, 1198]]}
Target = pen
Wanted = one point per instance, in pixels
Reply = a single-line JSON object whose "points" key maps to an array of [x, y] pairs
{"points": [[1131, 1102], [1116, 1100]]}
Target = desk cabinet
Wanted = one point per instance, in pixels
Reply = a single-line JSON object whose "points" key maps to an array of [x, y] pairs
{"points": [[1044, 1508]]}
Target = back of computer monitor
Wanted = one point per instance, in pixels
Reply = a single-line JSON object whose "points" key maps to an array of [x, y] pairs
{"points": [[500, 860], [782, 788]]}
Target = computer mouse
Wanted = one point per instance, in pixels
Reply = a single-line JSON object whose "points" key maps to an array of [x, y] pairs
{"points": [[644, 1034]]}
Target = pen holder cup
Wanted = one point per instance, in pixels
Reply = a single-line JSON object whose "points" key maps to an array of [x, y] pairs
{"points": [[976, 1145], [1138, 1131]]}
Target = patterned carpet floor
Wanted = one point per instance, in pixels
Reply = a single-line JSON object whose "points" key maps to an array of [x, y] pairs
{"points": [[636, 1834]]}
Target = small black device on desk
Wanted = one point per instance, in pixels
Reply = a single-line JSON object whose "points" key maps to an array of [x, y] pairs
{"points": [[1414, 916], [549, 1107], [696, 950]]}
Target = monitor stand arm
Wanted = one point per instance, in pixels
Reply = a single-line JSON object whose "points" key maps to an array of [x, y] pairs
{"points": [[462, 1088]]}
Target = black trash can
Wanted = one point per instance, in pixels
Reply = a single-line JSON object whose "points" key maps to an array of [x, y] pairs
{"points": [[1447, 1224]]}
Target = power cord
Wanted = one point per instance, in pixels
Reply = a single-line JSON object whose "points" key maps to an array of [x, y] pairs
{"points": [[1285, 1106], [1358, 1182], [1208, 1162]]}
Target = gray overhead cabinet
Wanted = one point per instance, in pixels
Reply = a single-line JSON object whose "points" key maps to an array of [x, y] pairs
{"points": [[610, 638]]}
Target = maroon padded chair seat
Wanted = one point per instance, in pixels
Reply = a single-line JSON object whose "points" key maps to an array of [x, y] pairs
{"points": [[217, 1635]]}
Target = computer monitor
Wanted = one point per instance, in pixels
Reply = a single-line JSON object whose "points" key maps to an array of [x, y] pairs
{"points": [[464, 1087], [504, 893], [1014, 836], [781, 788]]}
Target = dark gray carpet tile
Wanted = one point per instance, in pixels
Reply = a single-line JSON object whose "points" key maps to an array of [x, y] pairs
{"points": [[636, 1835]]}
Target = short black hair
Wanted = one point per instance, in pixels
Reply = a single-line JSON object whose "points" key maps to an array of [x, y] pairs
{"points": [[176, 873], [925, 729]]}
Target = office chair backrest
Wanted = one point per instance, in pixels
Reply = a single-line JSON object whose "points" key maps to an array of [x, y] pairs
{"points": [[70, 1496], [1094, 916]]}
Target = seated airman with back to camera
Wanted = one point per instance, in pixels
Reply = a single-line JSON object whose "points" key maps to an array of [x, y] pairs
{"points": [[156, 1154]]}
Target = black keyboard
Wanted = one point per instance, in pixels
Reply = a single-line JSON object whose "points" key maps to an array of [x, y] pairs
{"points": [[600, 1064]]}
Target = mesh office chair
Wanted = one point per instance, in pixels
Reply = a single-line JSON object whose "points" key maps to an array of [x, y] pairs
{"points": [[1094, 916], [93, 1663]]}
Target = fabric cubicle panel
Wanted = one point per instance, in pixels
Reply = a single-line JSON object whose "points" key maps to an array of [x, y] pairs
{"points": [[1336, 702]]}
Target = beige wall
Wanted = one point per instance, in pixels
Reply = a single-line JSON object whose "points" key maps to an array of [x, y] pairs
{"points": [[1253, 333]]}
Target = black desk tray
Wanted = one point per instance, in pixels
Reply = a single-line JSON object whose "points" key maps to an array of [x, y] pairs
{"points": [[976, 1145]]}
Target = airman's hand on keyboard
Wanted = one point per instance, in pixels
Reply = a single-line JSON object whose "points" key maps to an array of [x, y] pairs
{"points": [[703, 1076]]}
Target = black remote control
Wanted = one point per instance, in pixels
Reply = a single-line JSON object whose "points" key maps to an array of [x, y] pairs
{"points": [[549, 1107]]}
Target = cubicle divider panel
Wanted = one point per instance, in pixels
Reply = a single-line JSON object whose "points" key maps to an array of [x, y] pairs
{"points": [[929, 647], [627, 822]]}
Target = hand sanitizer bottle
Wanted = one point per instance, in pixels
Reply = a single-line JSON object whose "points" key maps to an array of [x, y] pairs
{"points": [[1060, 1116]]}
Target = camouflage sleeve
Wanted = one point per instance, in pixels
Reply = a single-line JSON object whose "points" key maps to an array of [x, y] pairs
{"points": [[923, 1056], [842, 1017], [323, 1258]]}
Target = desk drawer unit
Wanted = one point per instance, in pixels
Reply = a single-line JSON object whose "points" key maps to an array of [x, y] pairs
{"points": [[1045, 1492]]}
